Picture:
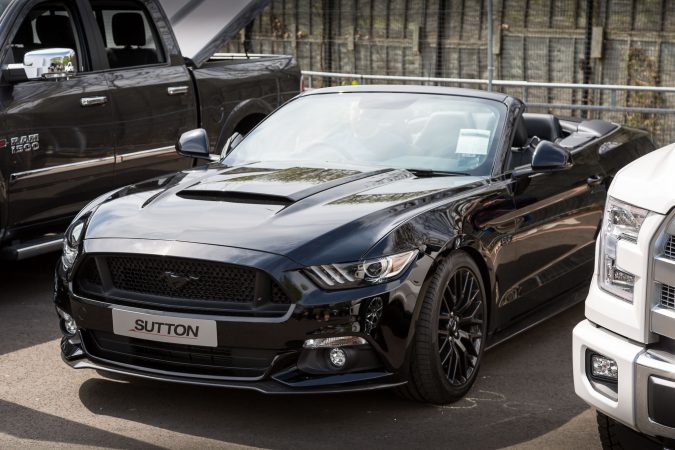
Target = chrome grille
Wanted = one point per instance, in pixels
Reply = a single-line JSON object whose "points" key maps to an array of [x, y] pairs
{"points": [[669, 248], [667, 296]]}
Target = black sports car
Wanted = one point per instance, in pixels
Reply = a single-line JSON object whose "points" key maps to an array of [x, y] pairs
{"points": [[358, 238]]}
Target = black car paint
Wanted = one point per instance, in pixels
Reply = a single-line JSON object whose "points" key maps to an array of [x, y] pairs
{"points": [[106, 141], [532, 238]]}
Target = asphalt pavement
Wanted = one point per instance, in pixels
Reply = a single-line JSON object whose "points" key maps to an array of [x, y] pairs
{"points": [[524, 397]]}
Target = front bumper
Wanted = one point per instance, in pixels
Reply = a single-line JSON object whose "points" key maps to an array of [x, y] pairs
{"points": [[645, 391], [264, 354]]}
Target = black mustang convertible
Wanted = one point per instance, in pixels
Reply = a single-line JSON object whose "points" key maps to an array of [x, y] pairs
{"points": [[358, 238]]}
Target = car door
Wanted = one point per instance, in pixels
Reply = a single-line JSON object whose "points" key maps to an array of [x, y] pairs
{"points": [[557, 217], [152, 95], [57, 133]]}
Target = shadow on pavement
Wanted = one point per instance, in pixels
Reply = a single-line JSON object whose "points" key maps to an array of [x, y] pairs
{"points": [[26, 303], [26, 423], [525, 390]]}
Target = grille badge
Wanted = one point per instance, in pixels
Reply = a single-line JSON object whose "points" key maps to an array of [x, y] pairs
{"points": [[177, 281]]}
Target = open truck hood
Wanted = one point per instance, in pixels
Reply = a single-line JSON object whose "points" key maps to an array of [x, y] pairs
{"points": [[203, 26]]}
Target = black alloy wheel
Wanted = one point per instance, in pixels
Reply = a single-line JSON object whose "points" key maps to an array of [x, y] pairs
{"points": [[460, 327], [449, 333]]}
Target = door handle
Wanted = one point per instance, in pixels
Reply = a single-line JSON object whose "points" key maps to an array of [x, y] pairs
{"points": [[93, 101], [595, 180], [177, 90]]}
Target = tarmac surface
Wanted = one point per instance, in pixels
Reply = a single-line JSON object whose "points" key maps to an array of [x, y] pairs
{"points": [[524, 397]]}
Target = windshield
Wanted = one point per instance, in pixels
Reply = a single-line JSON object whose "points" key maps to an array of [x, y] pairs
{"points": [[426, 132]]}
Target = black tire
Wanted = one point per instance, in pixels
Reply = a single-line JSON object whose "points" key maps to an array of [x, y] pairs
{"points": [[616, 436], [450, 332]]}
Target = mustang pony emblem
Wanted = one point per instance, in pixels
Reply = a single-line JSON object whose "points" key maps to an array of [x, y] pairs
{"points": [[177, 281]]}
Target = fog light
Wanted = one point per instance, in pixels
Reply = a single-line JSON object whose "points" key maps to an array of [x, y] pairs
{"points": [[69, 324], [334, 342], [604, 367], [337, 357]]}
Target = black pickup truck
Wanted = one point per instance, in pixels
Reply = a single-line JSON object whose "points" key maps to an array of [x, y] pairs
{"points": [[95, 93]]}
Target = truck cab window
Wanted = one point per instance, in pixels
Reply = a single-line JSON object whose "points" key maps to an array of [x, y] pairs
{"points": [[128, 34], [48, 25]]}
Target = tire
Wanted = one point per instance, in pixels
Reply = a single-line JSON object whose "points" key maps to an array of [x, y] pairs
{"points": [[449, 334], [616, 436]]}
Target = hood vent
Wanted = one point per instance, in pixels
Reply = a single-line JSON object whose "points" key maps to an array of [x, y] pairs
{"points": [[236, 197]]}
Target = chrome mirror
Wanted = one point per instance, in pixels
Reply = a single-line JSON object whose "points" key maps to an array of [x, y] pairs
{"points": [[50, 63]]}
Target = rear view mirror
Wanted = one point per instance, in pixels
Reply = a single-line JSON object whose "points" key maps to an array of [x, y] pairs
{"points": [[547, 157], [194, 144], [550, 157], [50, 63], [231, 143]]}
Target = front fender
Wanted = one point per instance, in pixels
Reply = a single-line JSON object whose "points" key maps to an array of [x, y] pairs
{"points": [[249, 107]]}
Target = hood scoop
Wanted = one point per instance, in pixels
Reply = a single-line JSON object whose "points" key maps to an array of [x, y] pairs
{"points": [[250, 198]]}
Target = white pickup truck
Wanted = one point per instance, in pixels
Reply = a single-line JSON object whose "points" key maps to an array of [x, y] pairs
{"points": [[624, 352]]}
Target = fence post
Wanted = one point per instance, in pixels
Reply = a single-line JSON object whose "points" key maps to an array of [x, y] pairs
{"points": [[490, 68]]}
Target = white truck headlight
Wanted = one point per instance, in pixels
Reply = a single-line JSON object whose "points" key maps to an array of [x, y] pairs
{"points": [[362, 273], [621, 222]]}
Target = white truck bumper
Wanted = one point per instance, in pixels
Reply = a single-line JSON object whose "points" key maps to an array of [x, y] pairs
{"points": [[644, 393]]}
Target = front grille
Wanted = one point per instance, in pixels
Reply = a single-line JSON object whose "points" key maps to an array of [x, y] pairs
{"points": [[669, 248], [667, 296], [206, 280], [181, 283], [185, 359]]}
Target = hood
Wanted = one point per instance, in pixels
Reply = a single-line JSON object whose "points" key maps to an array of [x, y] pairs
{"points": [[306, 213], [204, 26], [648, 181]]}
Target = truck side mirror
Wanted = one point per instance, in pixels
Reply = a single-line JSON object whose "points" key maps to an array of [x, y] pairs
{"points": [[50, 63], [194, 144], [231, 143]]}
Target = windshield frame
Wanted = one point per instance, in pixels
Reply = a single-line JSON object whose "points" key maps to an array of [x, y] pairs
{"points": [[485, 169]]}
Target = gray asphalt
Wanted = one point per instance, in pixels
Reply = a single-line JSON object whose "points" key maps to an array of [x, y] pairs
{"points": [[524, 397]]}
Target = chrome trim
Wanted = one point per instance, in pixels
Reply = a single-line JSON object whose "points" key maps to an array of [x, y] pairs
{"points": [[648, 364], [664, 270], [93, 101], [177, 90], [62, 168], [662, 321], [144, 154]]}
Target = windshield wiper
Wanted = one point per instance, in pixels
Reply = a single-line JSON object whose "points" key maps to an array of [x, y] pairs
{"points": [[436, 173]]}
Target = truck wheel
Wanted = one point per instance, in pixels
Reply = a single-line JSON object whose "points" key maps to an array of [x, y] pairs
{"points": [[616, 436], [450, 333]]}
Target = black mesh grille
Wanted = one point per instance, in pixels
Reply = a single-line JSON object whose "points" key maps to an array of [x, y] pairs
{"points": [[667, 296], [181, 284], [203, 280], [235, 362]]}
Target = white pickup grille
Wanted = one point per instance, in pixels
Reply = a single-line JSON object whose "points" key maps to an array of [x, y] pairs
{"points": [[667, 296], [669, 248]]}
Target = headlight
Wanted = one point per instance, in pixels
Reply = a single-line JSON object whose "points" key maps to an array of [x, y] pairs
{"points": [[72, 242], [363, 273], [621, 222]]}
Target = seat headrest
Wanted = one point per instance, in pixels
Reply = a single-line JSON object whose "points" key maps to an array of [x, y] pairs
{"points": [[128, 29], [55, 31], [520, 136], [544, 126]]}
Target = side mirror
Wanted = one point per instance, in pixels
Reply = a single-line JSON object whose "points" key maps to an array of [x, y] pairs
{"points": [[547, 157], [194, 144], [231, 143], [50, 63]]}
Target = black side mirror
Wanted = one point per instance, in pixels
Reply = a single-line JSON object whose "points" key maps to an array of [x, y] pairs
{"points": [[547, 157], [194, 144], [231, 143]]}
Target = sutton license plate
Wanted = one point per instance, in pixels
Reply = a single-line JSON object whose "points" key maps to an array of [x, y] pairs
{"points": [[175, 330]]}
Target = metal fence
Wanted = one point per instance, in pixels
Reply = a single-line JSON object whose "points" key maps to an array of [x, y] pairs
{"points": [[546, 52]]}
